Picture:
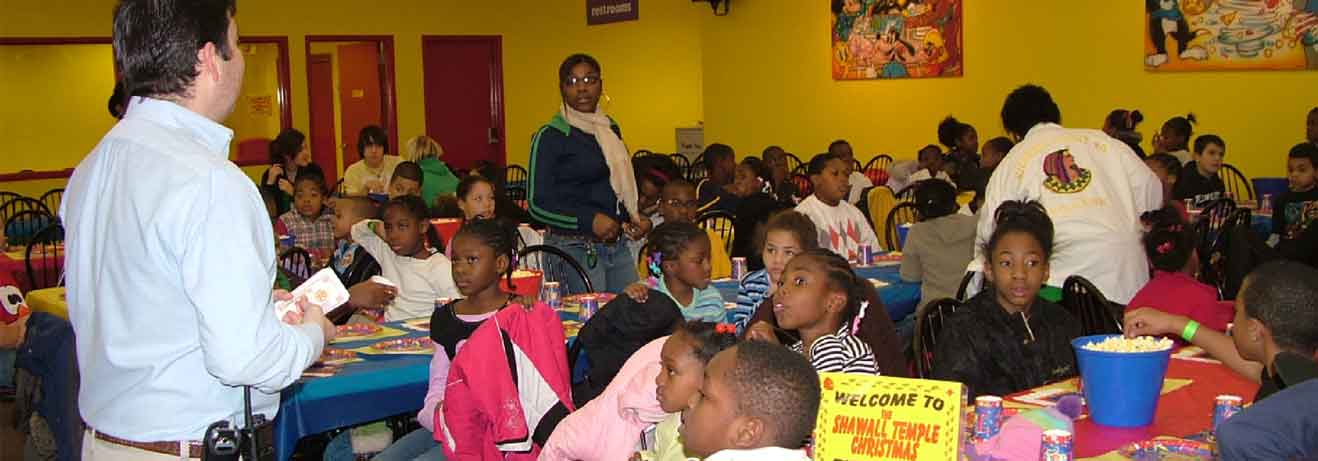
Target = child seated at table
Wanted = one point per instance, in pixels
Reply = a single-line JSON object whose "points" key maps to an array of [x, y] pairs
{"points": [[931, 165], [310, 224], [678, 259], [1007, 339], [1281, 427], [784, 236], [939, 247], [485, 250], [1168, 170], [406, 180], [350, 261], [677, 204], [1295, 211], [652, 387], [842, 227], [758, 402], [422, 274], [1274, 315], [821, 300], [1170, 244], [1199, 182]]}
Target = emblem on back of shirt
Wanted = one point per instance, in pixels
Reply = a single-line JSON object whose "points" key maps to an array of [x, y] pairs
{"points": [[1064, 176]]}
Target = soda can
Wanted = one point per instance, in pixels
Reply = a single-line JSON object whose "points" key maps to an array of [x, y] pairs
{"points": [[552, 294], [1266, 203], [1189, 204], [738, 268], [441, 302], [1057, 445], [287, 241], [1225, 406], [590, 304], [988, 416], [866, 256]]}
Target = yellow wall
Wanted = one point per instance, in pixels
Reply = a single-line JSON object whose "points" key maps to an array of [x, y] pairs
{"points": [[260, 82], [53, 108], [767, 81], [651, 67]]}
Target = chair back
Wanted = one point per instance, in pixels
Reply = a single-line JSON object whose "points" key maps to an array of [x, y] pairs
{"points": [[903, 213], [23, 226], [696, 172], [6, 196], [1232, 254], [1210, 222], [18, 205], [297, 265], [856, 166], [641, 153], [721, 223], [1096, 314], [558, 266], [44, 258], [879, 162], [964, 287], [683, 163], [803, 186], [928, 325], [515, 177], [52, 199], [879, 201], [793, 162], [907, 194], [1237, 185], [802, 169]]}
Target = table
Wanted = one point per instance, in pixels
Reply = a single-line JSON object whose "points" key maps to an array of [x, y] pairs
{"points": [[14, 263], [378, 387], [1181, 412], [899, 298]]}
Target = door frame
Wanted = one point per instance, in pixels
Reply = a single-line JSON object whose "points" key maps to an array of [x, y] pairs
{"points": [[387, 92], [496, 82]]}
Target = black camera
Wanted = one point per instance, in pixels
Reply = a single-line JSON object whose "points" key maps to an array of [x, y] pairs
{"points": [[255, 442]]}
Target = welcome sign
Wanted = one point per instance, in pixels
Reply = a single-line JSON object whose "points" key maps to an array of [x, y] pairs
{"points": [[610, 11], [864, 417]]}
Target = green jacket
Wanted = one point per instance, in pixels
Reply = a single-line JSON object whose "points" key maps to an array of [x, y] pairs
{"points": [[436, 180]]}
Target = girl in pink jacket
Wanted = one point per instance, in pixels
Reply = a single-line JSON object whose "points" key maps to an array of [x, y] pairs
{"points": [[655, 383]]}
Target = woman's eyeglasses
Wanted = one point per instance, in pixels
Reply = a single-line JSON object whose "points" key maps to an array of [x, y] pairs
{"points": [[675, 203], [583, 80]]}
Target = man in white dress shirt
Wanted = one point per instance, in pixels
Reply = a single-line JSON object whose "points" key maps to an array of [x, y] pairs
{"points": [[170, 258]]}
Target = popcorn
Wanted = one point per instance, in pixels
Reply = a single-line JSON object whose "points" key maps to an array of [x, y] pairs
{"points": [[1131, 345]]}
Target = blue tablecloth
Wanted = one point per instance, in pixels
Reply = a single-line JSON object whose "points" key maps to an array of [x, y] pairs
{"points": [[899, 298]]}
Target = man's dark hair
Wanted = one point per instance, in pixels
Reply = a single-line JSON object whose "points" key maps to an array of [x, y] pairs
{"points": [[715, 153], [314, 177], [1028, 106], [118, 100], [1281, 295], [372, 135], [408, 170], [836, 144], [285, 146], [779, 386], [935, 198], [156, 42], [1305, 150]]}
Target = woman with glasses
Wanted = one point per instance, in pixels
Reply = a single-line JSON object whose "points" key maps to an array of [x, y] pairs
{"points": [[582, 184]]}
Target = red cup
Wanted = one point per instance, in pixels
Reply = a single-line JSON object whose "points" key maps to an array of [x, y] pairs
{"points": [[527, 283], [447, 227]]}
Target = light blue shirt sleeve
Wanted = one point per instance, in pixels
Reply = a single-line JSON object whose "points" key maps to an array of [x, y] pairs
{"points": [[244, 342]]}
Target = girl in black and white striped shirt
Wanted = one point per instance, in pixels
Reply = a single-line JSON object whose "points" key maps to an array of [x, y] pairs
{"points": [[822, 300]]}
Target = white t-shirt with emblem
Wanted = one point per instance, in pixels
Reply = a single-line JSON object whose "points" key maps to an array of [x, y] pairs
{"points": [[842, 228], [1095, 189]]}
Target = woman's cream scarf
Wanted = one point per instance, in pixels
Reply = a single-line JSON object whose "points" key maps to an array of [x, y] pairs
{"points": [[621, 176]]}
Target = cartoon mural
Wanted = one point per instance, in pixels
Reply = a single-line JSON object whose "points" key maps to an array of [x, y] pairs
{"points": [[880, 39], [1189, 35]]}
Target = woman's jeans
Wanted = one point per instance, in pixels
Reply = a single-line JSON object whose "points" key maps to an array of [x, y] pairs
{"points": [[614, 267]]}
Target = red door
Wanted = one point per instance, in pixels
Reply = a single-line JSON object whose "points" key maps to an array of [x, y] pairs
{"points": [[464, 97], [320, 79], [359, 93]]}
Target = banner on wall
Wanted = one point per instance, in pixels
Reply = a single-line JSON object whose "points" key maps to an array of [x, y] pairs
{"points": [[887, 39], [864, 417], [611, 11], [1191, 35]]}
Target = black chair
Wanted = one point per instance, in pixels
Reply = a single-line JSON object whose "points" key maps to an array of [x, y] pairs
{"points": [[641, 153], [558, 266], [1236, 183], [721, 223], [1096, 314], [1210, 222], [793, 162], [855, 165], [803, 186], [928, 325], [515, 177], [802, 169], [683, 163], [6, 196], [696, 172], [21, 227], [907, 194], [1217, 267], [297, 265], [44, 258], [903, 213], [881, 162], [21, 204], [52, 199], [517, 195]]}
